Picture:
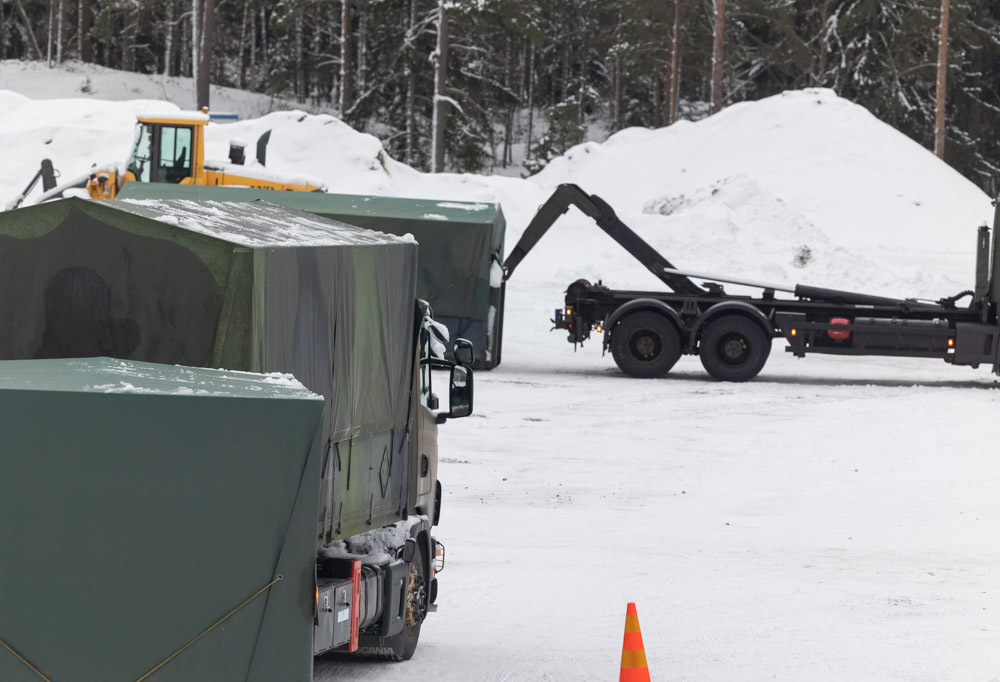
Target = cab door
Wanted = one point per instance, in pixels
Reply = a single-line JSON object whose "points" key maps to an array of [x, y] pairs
{"points": [[425, 457]]}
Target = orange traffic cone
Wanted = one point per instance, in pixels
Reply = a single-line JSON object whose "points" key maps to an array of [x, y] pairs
{"points": [[634, 667]]}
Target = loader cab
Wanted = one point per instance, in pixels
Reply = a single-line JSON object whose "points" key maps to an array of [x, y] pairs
{"points": [[168, 150]]}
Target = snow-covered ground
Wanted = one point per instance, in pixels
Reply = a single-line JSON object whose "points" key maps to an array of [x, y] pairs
{"points": [[834, 519]]}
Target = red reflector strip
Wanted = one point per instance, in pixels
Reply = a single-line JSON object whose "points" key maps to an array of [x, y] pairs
{"points": [[355, 604]]}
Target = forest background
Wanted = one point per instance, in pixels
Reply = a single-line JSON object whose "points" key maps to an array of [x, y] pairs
{"points": [[461, 85]]}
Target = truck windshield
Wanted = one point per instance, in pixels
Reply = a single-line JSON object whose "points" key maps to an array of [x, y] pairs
{"points": [[138, 161]]}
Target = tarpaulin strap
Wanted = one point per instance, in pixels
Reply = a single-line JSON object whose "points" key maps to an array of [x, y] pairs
{"points": [[208, 630], [21, 658]]}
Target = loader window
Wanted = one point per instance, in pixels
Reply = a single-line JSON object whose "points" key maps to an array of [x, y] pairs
{"points": [[138, 162], [175, 154]]}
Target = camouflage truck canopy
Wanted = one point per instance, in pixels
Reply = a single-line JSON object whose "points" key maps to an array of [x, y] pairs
{"points": [[141, 503], [461, 248], [255, 287]]}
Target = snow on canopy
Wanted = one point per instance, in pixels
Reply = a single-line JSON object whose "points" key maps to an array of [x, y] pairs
{"points": [[257, 224], [109, 375]]}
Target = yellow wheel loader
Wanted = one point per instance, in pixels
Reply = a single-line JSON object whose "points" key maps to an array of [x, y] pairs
{"points": [[171, 149]]}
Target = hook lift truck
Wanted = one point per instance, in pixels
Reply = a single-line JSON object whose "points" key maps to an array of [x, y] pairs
{"points": [[648, 331]]}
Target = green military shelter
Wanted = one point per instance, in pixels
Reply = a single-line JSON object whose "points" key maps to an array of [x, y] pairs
{"points": [[260, 288], [461, 248], [141, 503]]}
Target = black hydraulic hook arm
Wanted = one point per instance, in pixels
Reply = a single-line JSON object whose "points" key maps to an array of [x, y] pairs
{"points": [[596, 208]]}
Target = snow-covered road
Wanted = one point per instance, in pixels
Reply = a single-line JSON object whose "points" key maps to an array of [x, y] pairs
{"points": [[833, 519]]}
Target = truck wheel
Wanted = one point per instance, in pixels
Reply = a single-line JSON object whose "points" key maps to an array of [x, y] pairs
{"points": [[405, 643], [645, 344], [734, 348]]}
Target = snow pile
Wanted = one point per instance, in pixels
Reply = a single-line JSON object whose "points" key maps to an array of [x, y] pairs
{"points": [[827, 158], [736, 217]]}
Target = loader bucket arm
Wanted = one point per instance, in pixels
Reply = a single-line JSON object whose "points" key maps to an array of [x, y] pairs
{"points": [[594, 207]]}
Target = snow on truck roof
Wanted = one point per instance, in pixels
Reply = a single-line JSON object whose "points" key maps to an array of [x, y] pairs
{"points": [[323, 203], [257, 224]]}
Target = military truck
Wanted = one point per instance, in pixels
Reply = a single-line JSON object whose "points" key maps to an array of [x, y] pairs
{"points": [[258, 288], [461, 246], [648, 331]]}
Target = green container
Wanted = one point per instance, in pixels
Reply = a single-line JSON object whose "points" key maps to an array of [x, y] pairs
{"points": [[141, 503], [461, 248]]}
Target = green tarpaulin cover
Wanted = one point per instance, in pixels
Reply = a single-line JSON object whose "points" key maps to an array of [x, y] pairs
{"points": [[141, 503], [254, 287], [461, 248]]}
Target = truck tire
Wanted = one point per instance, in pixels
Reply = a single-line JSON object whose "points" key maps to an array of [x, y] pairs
{"points": [[405, 643], [734, 348], [645, 344]]}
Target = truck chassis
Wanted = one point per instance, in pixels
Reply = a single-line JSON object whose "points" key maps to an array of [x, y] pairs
{"points": [[648, 331]]}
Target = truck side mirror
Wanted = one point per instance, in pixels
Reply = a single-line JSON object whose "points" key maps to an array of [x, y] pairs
{"points": [[461, 392], [464, 352]]}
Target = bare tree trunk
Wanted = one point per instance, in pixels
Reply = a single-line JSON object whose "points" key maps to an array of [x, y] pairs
{"points": [[27, 28], [168, 47], [59, 32], [411, 87], [718, 55], [440, 117], [265, 49], [317, 85], [184, 67], [346, 72], [130, 36], [619, 115], [362, 77], [48, 53], [196, 48], [3, 34], [942, 83], [824, 16], [672, 84], [207, 42], [84, 48], [508, 82], [531, 99], [658, 105], [243, 44], [253, 51], [300, 59]]}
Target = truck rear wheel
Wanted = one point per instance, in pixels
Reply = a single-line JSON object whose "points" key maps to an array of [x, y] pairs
{"points": [[645, 344], [734, 348]]}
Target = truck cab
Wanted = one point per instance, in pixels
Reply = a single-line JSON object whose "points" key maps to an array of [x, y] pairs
{"points": [[394, 594]]}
